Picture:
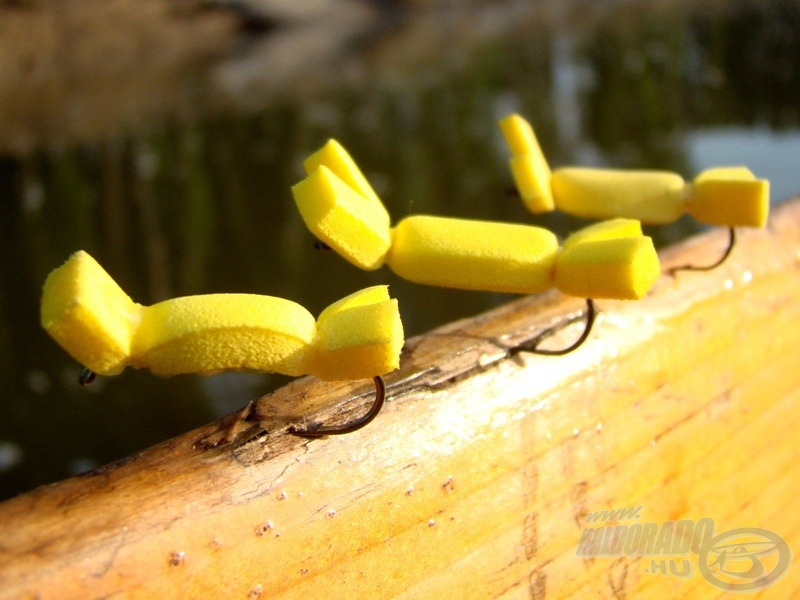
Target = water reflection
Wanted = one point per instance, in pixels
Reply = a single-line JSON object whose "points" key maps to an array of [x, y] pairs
{"points": [[196, 198]]}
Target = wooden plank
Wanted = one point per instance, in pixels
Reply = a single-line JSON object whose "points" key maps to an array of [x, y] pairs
{"points": [[481, 471]]}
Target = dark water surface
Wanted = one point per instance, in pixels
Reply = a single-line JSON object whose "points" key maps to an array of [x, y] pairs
{"points": [[173, 168]]}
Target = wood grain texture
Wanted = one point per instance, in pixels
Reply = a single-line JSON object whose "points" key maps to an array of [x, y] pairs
{"points": [[480, 473]]}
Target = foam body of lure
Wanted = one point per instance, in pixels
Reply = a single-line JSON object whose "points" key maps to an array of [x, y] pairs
{"points": [[358, 336], [340, 162], [220, 332], [473, 255], [728, 196], [342, 218], [652, 196], [612, 261], [528, 165], [90, 316]]}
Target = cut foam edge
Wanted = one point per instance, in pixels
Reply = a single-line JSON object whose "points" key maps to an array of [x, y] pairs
{"points": [[734, 173], [334, 156], [89, 315], [370, 295], [621, 268], [359, 340], [605, 230], [342, 218], [729, 196]]}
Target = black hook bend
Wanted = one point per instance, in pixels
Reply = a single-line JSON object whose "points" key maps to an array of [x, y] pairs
{"points": [[532, 346], [320, 431], [725, 255]]}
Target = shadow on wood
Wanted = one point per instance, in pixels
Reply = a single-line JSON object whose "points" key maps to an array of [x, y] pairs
{"points": [[481, 471]]}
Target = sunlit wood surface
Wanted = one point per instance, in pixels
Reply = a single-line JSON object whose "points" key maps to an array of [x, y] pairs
{"points": [[477, 478]]}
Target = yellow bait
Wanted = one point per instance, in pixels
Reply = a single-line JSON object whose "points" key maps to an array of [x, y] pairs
{"points": [[727, 196], [99, 325], [610, 260]]}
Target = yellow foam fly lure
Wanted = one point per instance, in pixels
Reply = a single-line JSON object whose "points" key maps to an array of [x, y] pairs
{"points": [[726, 196], [98, 324], [612, 259]]}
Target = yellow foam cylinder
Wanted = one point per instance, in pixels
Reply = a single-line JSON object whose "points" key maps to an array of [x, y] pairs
{"points": [[473, 255], [650, 196], [87, 313], [223, 332], [353, 225], [528, 164], [611, 259], [729, 196]]}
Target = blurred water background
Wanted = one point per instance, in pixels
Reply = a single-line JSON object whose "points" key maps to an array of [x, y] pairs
{"points": [[162, 136]]}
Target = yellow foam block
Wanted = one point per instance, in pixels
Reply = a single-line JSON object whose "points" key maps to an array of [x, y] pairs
{"points": [[532, 178], [358, 339], [473, 255], [622, 268], [338, 160], [605, 230], [215, 332], [342, 218], [370, 295], [737, 173], [528, 164], [730, 196], [519, 136], [649, 196], [89, 315]]}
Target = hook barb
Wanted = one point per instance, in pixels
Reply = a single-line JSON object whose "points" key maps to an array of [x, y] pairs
{"points": [[355, 425]]}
